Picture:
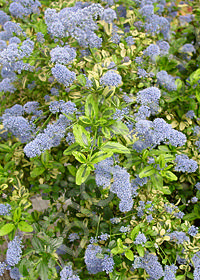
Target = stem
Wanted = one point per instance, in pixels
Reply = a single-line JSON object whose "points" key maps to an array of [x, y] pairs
{"points": [[44, 123]]}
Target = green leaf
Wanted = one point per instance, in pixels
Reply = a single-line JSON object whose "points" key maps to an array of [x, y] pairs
{"points": [[6, 229], [91, 107], [71, 148], [135, 231], [37, 244], [43, 270], [106, 131], [147, 171], [17, 214], [45, 157], [119, 243], [81, 79], [24, 226], [115, 147], [79, 156], [85, 120], [120, 128], [72, 170], [170, 176], [37, 171], [99, 156], [82, 173], [4, 148], [56, 242], [129, 255], [140, 250], [81, 135]]}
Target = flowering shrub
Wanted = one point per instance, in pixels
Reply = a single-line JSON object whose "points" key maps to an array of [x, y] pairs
{"points": [[100, 119]]}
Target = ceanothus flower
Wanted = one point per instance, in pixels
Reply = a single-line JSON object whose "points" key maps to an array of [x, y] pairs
{"points": [[111, 78], [63, 75], [108, 15], [184, 164], [14, 251]]}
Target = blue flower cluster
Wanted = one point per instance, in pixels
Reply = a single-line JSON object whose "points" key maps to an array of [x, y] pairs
{"points": [[63, 55], [196, 261], [151, 265], [179, 237], [63, 75], [188, 48], [140, 239], [153, 133], [15, 274], [5, 209], [21, 8], [170, 272], [193, 230], [95, 264], [108, 15], [68, 274], [111, 78], [184, 164], [51, 137], [166, 80], [149, 97], [77, 21], [73, 236], [163, 46], [3, 265], [14, 251], [152, 51]]}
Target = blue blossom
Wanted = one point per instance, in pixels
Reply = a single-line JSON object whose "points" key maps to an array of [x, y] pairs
{"points": [[12, 27], [115, 220], [196, 261], [63, 75], [62, 55], [111, 78], [152, 51], [15, 274], [40, 37], [147, 11], [193, 231], [130, 40], [70, 139], [108, 15], [94, 264], [151, 265], [19, 127], [14, 40], [51, 137], [149, 218], [169, 272], [73, 236], [166, 80], [179, 215], [68, 274], [3, 265], [121, 186], [7, 86], [149, 97], [163, 46], [3, 45], [140, 239], [188, 48], [103, 171], [124, 229], [104, 236], [14, 251], [5, 209], [184, 164], [31, 107], [119, 114], [3, 17], [54, 91], [142, 73], [156, 24], [179, 237], [190, 114], [194, 199], [16, 10], [196, 130], [108, 264], [16, 110]]}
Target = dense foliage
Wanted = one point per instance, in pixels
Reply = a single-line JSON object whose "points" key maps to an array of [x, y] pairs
{"points": [[100, 117]]}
